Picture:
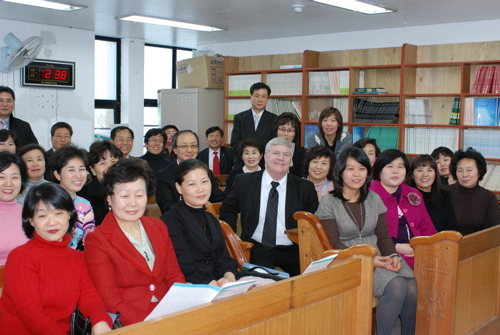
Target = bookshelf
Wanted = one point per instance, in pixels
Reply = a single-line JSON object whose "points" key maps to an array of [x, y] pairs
{"points": [[435, 74]]}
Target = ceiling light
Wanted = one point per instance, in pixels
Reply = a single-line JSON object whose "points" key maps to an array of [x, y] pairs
{"points": [[357, 6], [169, 23], [48, 4]]}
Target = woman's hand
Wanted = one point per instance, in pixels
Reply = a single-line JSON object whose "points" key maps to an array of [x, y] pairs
{"points": [[100, 327], [379, 261], [387, 262], [214, 283], [228, 278], [405, 249]]}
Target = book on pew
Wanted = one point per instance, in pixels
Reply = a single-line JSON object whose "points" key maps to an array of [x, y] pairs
{"points": [[264, 270], [320, 264], [184, 296]]}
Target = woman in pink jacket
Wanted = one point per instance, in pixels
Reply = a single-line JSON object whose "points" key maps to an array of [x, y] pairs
{"points": [[406, 213]]}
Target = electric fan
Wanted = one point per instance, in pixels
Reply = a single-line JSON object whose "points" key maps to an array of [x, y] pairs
{"points": [[18, 54]]}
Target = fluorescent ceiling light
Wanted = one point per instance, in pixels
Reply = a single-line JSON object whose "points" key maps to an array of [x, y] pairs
{"points": [[48, 4], [357, 6], [169, 23]]}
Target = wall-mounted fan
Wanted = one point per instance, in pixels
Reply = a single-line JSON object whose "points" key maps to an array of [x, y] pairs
{"points": [[18, 54]]}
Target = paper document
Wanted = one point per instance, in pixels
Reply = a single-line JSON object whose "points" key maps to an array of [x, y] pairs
{"points": [[184, 296], [320, 264]]}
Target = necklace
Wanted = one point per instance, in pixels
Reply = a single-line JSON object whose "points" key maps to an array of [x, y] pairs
{"points": [[354, 218]]}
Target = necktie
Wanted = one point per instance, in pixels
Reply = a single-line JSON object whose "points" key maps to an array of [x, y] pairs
{"points": [[3, 124], [216, 164], [256, 119], [269, 234]]}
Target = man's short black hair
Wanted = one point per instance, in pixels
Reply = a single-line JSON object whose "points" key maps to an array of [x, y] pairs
{"points": [[120, 128], [9, 90], [60, 125], [212, 129], [259, 86]]}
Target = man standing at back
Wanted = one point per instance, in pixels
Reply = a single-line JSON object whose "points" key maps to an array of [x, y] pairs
{"points": [[256, 122], [8, 121], [267, 200], [60, 135]]}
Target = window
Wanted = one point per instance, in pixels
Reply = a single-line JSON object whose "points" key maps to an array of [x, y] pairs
{"points": [[159, 73], [107, 84]]}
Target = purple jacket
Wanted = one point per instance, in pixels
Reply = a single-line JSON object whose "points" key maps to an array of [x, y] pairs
{"points": [[413, 207]]}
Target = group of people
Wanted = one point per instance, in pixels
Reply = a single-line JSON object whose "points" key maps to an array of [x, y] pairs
{"points": [[73, 230]]}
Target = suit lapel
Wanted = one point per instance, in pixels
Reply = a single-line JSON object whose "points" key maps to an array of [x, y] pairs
{"points": [[121, 243]]}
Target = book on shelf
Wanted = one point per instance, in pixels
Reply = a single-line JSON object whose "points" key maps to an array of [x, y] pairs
{"points": [[325, 83], [239, 85], [368, 111], [455, 112], [423, 140], [279, 106], [285, 83], [486, 112], [486, 80], [320, 264], [483, 140], [373, 90], [235, 106], [184, 296], [491, 180], [292, 66], [418, 111], [487, 175], [357, 133], [387, 137]]}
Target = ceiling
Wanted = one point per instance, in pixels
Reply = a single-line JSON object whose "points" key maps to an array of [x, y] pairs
{"points": [[246, 20]]}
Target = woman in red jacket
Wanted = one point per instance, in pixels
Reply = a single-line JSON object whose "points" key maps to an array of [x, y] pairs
{"points": [[406, 213], [45, 279], [130, 257]]}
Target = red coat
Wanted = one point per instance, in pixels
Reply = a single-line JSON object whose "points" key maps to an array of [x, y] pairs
{"points": [[122, 275], [414, 211]]}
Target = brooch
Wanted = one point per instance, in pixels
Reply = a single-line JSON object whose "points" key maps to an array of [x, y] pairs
{"points": [[414, 199]]}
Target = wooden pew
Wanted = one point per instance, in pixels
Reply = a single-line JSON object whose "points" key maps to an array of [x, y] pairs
{"points": [[336, 300], [458, 282]]}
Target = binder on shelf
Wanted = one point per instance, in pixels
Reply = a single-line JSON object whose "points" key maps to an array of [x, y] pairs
{"points": [[485, 111], [357, 133]]}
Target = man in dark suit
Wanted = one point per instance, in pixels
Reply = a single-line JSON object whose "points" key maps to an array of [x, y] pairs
{"points": [[8, 121], [255, 122], [185, 145], [60, 135], [216, 151], [254, 196]]}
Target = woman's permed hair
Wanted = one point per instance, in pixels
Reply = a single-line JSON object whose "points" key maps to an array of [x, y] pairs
{"points": [[470, 153], [251, 142], [318, 152], [128, 171], [99, 148], [52, 196], [340, 165]]}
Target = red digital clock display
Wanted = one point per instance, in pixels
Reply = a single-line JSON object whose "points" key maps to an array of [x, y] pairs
{"points": [[47, 73]]}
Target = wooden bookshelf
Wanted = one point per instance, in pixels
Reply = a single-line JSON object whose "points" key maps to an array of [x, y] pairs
{"points": [[437, 73]]}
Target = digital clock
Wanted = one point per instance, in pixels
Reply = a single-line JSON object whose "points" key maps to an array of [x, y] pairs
{"points": [[48, 73]]}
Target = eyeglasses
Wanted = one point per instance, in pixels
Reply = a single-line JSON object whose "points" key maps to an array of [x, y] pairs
{"points": [[7, 101], [214, 137], [170, 132], [154, 140], [123, 139], [185, 147], [286, 130], [62, 137]]}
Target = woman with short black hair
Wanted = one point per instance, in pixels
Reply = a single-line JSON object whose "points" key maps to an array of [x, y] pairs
{"points": [[45, 279]]}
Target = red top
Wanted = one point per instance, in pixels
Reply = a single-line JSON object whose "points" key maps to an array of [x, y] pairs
{"points": [[122, 275], [44, 281]]}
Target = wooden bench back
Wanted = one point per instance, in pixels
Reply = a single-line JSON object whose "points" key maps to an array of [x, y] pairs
{"points": [[336, 300], [458, 282]]}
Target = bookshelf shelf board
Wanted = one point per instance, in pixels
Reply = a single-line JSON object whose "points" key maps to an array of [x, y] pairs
{"points": [[373, 124], [327, 96], [420, 125], [424, 95], [480, 127], [229, 73], [375, 95], [471, 95], [272, 96], [448, 64]]}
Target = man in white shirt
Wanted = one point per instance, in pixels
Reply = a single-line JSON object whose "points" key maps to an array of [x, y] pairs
{"points": [[267, 200]]}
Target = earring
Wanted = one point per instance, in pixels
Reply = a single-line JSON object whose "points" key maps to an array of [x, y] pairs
{"points": [[180, 197]]}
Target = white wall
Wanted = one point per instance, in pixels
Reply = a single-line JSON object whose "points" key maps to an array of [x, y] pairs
{"points": [[476, 31], [42, 107]]}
